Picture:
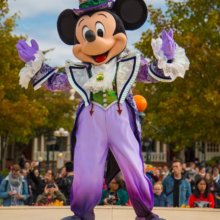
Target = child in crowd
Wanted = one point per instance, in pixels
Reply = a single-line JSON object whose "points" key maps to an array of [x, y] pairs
{"points": [[160, 199]]}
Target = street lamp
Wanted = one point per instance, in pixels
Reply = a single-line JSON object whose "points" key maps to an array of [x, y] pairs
{"points": [[40, 160], [60, 135], [148, 144], [50, 146]]}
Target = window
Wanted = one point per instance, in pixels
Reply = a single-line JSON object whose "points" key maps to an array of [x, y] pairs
{"points": [[213, 147]]}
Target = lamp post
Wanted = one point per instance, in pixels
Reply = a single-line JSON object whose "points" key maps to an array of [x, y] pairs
{"points": [[148, 146], [40, 160], [60, 135], [50, 146]]}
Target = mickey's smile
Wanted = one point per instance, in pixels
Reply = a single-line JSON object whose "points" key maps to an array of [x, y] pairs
{"points": [[101, 58]]}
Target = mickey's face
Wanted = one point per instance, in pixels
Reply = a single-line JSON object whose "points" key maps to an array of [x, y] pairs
{"points": [[98, 36], [98, 40]]}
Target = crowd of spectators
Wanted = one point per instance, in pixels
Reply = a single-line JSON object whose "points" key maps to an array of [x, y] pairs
{"points": [[186, 185], [26, 186], [181, 185]]}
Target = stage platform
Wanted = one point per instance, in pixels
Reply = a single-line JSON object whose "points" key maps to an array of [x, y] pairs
{"points": [[106, 213]]}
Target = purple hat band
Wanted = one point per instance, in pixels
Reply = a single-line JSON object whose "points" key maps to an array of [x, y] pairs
{"points": [[106, 5]]}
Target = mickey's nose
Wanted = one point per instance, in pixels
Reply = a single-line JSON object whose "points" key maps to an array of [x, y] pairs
{"points": [[90, 36]]}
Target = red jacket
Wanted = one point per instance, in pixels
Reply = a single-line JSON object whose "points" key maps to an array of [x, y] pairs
{"points": [[209, 199]]}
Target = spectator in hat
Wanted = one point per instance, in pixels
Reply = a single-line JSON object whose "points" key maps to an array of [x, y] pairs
{"points": [[14, 189]]}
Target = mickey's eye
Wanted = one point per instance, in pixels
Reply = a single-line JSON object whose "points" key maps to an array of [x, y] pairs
{"points": [[100, 30], [85, 29]]}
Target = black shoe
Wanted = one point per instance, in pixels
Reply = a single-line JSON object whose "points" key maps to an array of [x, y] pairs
{"points": [[71, 218]]}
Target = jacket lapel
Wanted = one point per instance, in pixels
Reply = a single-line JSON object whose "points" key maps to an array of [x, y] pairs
{"points": [[128, 68], [78, 75]]}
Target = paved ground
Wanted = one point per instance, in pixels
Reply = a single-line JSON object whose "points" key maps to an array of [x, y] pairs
{"points": [[105, 213]]}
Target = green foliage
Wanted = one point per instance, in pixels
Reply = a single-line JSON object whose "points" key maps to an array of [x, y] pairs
{"points": [[25, 113], [18, 114], [186, 110], [4, 172], [214, 161]]}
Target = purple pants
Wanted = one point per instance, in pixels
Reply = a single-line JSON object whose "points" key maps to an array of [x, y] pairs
{"points": [[95, 135]]}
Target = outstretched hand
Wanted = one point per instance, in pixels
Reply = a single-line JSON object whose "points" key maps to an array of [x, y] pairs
{"points": [[26, 52], [168, 45]]}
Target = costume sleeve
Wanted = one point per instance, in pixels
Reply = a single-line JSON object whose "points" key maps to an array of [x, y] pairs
{"points": [[162, 69], [39, 73]]}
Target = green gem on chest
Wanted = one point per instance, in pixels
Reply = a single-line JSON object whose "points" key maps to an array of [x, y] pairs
{"points": [[100, 77]]}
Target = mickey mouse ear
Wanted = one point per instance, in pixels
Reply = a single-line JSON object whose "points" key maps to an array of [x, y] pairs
{"points": [[66, 26], [132, 12]]}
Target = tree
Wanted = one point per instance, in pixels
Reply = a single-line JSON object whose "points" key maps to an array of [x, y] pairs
{"points": [[24, 113], [186, 110]]}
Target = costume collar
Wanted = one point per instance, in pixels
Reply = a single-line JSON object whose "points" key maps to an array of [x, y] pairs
{"points": [[128, 65]]}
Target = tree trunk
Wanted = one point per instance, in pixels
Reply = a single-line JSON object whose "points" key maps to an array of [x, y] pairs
{"points": [[4, 147], [0, 153]]}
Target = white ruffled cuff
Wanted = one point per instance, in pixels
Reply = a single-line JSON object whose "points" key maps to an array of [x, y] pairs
{"points": [[180, 63], [30, 69]]}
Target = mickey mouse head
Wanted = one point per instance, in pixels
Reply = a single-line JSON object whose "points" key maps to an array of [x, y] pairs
{"points": [[99, 35]]}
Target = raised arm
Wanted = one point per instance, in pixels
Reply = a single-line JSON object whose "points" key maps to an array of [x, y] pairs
{"points": [[36, 71], [171, 61]]}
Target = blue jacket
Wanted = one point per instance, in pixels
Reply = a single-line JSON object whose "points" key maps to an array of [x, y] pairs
{"points": [[184, 190], [161, 200], [5, 188]]}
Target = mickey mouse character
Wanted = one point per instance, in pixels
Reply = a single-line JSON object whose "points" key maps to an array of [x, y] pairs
{"points": [[107, 119]]}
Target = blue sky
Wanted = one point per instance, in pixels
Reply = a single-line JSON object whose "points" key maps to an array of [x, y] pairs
{"points": [[38, 21]]}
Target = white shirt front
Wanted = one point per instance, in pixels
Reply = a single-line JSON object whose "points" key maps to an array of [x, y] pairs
{"points": [[108, 71]]}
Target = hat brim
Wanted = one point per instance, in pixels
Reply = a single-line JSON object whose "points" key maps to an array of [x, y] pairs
{"points": [[105, 5]]}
